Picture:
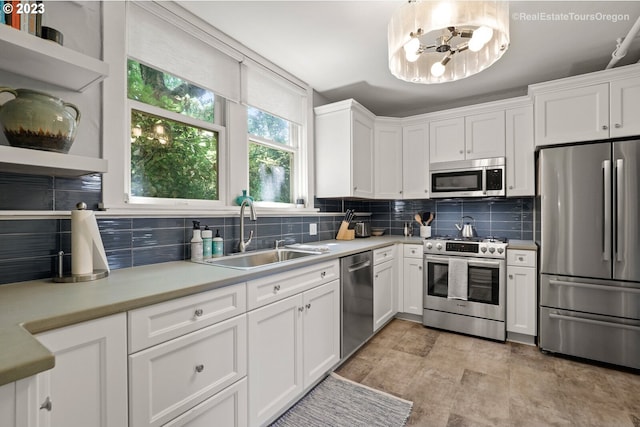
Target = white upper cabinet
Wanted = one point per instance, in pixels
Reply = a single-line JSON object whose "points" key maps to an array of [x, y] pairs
{"points": [[519, 151], [625, 107], [415, 161], [388, 159], [473, 136], [446, 140], [344, 150], [590, 107]]}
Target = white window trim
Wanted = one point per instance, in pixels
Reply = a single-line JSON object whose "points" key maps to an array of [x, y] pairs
{"points": [[116, 129]]}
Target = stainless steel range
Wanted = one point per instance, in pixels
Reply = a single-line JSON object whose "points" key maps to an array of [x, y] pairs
{"points": [[464, 282]]}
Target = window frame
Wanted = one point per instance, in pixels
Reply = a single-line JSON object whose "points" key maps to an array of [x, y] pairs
{"points": [[215, 126]]}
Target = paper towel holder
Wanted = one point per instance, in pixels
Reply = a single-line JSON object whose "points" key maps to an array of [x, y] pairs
{"points": [[87, 277], [61, 278]]}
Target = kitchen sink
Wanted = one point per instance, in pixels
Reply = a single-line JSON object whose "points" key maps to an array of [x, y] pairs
{"points": [[251, 260]]}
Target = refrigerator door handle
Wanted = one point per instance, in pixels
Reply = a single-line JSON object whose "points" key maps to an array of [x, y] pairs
{"points": [[606, 241], [619, 209]]}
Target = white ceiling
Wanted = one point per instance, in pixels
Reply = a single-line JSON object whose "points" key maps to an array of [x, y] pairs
{"points": [[340, 48]]}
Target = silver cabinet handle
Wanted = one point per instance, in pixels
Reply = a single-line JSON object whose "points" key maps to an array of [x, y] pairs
{"points": [[355, 188], [617, 125], [308, 306], [605, 127], [468, 151], [461, 151], [199, 368], [419, 267], [511, 276], [511, 187], [400, 191], [520, 258], [301, 309], [47, 404], [276, 288], [323, 274], [199, 312]]}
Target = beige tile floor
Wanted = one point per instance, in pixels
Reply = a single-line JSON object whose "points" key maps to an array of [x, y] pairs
{"points": [[457, 380]]}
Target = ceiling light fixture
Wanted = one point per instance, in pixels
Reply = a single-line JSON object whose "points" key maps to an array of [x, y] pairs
{"points": [[442, 41]]}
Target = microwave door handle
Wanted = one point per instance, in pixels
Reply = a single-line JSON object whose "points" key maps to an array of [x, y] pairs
{"points": [[619, 225], [484, 181]]}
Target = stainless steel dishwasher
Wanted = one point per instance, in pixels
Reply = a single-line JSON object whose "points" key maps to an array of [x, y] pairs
{"points": [[356, 272]]}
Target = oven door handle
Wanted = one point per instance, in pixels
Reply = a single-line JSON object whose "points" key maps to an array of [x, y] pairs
{"points": [[476, 263], [437, 258]]}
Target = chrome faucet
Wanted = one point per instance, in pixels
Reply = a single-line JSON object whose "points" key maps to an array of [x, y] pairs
{"points": [[252, 216], [278, 242]]}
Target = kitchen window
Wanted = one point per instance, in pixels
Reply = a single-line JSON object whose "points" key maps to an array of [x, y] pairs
{"points": [[174, 150], [273, 157]]}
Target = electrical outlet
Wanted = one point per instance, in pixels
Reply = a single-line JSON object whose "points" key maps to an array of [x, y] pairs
{"points": [[313, 229]]}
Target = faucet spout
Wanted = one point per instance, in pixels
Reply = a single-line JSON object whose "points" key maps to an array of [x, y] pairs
{"points": [[242, 246]]}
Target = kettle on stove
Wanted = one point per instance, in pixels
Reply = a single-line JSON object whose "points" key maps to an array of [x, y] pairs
{"points": [[466, 229]]}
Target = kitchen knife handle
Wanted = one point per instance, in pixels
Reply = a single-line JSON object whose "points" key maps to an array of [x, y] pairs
{"points": [[606, 182]]}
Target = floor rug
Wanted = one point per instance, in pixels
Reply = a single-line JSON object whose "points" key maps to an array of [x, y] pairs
{"points": [[338, 402]]}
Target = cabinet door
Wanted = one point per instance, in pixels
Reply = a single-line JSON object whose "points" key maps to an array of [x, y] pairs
{"points": [[333, 153], [415, 162], [170, 378], [275, 358], [446, 140], [388, 161], [362, 155], [484, 135], [521, 300], [625, 107], [87, 386], [321, 336], [572, 115], [8, 405], [412, 286], [520, 152], [383, 290]]}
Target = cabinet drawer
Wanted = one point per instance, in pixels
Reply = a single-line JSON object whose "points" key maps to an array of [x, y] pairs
{"points": [[167, 320], [412, 251], [227, 408], [383, 254], [172, 377], [521, 258], [274, 288]]}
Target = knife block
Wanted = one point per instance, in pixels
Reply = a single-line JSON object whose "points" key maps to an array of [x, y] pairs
{"points": [[344, 233]]}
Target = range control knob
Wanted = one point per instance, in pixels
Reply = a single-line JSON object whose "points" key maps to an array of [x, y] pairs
{"points": [[500, 250], [429, 245], [483, 249], [492, 249], [439, 246]]}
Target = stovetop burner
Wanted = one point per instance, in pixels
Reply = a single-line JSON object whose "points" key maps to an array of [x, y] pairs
{"points": [[485, 247]]}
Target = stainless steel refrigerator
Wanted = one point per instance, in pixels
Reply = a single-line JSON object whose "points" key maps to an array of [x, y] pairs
{"points": [[589, 235]]}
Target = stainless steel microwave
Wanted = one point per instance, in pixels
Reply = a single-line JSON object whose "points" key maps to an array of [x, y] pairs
{"points": [[468, 178]]}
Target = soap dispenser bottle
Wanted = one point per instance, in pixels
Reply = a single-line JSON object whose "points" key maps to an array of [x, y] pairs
{"points": [[207, 236], [196, 243], [218, 245]]}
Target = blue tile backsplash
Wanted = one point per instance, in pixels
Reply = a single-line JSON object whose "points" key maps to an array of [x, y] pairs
{"points": [[29, 247]]}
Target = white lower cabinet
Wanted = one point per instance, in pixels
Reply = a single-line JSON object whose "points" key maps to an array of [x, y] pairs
{"points": [[168, 379], [384, 286], [412, 280], [8, 405], [87, 386], [292, 343], [227, 408], [521, 292]]}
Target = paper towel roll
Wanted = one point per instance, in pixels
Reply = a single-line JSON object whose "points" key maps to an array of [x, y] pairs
{"points": [[87, 251]]}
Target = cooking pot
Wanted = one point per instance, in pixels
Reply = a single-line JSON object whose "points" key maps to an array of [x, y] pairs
{"points": [[466, 229], [363, 229]]}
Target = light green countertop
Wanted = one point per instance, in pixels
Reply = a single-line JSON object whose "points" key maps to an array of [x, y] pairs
{"points": [[27, 308]]}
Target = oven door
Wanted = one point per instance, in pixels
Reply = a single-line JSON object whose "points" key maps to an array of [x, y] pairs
{"points": [[485, 287]]}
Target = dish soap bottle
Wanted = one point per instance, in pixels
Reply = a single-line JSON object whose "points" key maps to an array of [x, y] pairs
{"points": [[207, 242], [196, 243], [218, 245]]}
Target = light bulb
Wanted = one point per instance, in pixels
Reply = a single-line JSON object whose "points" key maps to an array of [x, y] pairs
{"points": [[475, 44], [412, 46], [412, 56], [437, 69], [483, 34]]}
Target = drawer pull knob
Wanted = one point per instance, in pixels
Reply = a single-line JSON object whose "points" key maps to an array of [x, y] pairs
{"points": [[199, 312], [276, 288], [511, 276], [308, 306], [520, 258], [47, 404], [618, 125], [605, 127], [199, 368], [301, 309], [419, 267], [323, 274]]}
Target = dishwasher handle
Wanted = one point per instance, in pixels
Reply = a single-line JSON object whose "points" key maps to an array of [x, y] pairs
{"points": [[359, 266]]}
